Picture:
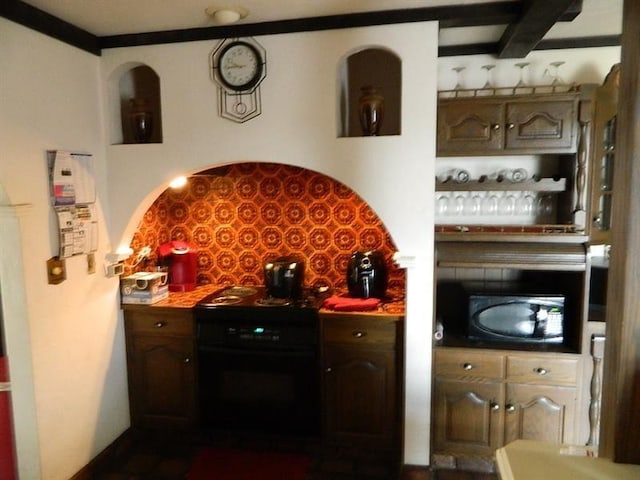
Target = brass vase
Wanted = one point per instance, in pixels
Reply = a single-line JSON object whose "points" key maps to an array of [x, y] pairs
{"points": [[141, 120], [371, 109]]}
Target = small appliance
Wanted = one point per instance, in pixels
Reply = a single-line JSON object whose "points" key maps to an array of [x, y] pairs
{"points": [[367, 275], [284, 277], [180, 257], [516, 318]]}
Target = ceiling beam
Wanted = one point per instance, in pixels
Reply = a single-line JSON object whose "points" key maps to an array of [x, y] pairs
{"points": [[536, 19]]}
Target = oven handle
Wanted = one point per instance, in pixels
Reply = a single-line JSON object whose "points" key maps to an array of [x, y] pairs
{"points": [[293, 353]]}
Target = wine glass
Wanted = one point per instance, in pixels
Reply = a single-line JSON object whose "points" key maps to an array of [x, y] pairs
{"points": [[521, 66], [488, 68], [458, 85], [556, 74]]}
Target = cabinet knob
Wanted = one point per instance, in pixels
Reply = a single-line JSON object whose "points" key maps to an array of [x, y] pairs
{"points": [[495, 126], [187, 360], [359, 334], [510, 408], [160, 324], [495, 406], [328, 369], [468, 366], [541, 371], [511, 126]]}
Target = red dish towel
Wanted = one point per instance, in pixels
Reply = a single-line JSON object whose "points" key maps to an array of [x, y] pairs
{"points": [[348, 304]]}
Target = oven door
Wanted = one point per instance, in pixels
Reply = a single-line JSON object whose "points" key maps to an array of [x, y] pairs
{"points": [[259, 390]]}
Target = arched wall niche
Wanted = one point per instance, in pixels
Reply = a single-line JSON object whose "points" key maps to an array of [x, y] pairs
{"points": [[374, 66], [135, 88], [240, 215]]}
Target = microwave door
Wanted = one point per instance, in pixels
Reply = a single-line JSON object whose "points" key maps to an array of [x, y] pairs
{"points": [[515, 320]]}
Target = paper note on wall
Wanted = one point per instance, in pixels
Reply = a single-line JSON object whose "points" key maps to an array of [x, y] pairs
{"points": [[71, 178], [78, 230]]}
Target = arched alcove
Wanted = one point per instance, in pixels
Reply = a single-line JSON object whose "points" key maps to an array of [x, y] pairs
{"points": [[239, 215], [139, 101], [371, 67]]}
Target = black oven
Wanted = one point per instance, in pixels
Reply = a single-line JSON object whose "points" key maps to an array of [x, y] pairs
{"points": [[258, 364]]}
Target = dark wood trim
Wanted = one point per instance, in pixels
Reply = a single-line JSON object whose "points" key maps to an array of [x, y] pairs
{"points": [[40, 21], [537, 18], [556, 44], [456, 16], [497, 13], [620, 418]]}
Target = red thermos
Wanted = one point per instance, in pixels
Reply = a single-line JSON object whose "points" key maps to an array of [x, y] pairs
{"points": [[180, 257]]}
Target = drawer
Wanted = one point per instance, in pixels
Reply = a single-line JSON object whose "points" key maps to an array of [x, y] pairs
{"points": [[455, 362], [541, 369], [359, 332], [160, 322]]}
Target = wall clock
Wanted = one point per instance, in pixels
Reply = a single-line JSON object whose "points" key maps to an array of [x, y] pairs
{"points": [[238, 66]]}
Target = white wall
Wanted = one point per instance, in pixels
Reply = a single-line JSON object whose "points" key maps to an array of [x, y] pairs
{"points": [[394, 174], [65, 343]]}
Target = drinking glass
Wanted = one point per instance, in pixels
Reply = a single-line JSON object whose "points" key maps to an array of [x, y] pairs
{"points": [[442, 205], [507, 205], [489, 205], [524, 204]]}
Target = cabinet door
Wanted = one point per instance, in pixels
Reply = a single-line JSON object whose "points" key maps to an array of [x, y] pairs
{"points": [[547, 126], [468, 417], [540, 412], [162, 381], [469, 127], [360, 396]]}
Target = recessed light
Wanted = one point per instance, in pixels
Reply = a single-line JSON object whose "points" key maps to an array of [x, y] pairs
{"points": [[227, 15]]}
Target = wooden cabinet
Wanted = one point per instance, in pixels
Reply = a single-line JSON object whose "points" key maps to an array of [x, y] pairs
{"points": [[605, 107], [361, 380], [484, 399], [515, 124], [161, 366]]}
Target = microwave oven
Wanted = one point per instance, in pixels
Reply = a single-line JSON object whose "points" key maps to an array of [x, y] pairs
{"points": [[516, 318]]}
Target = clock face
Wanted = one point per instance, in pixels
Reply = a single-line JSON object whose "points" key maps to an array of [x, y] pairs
{"points": [[240, 66]]}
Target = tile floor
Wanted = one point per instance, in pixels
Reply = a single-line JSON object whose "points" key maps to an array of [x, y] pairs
{"points": [[158, 457]]}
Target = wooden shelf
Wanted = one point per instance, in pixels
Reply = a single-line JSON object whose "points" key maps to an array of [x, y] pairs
{"points": [[542, 185]]}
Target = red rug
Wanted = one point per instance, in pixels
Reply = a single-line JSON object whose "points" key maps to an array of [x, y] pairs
{"points": [[231, 464]]}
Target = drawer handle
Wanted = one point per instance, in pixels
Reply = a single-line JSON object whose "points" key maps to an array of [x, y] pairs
{"points": [[160, 324], [468, 366], [541, 371], [510, 408], [359, 334], [495, 406]]}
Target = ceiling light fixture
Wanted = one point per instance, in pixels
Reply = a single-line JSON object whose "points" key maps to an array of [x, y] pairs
{"points": [[227, 15]]}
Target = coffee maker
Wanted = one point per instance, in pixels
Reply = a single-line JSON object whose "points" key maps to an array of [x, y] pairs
{"points": [[284, 277], [367, 275], [180, 257]]}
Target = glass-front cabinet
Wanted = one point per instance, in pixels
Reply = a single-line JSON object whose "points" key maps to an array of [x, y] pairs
{"points": [[604, 139]]}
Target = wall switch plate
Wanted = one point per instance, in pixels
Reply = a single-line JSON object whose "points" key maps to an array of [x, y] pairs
{"points": [[56, 270], [91, 263]]}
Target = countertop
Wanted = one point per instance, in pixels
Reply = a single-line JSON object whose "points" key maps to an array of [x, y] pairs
{"points": [[393, 305], [533, 460]]}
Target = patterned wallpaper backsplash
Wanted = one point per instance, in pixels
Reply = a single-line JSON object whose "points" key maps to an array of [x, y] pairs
{"points": [[242, 215]]}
